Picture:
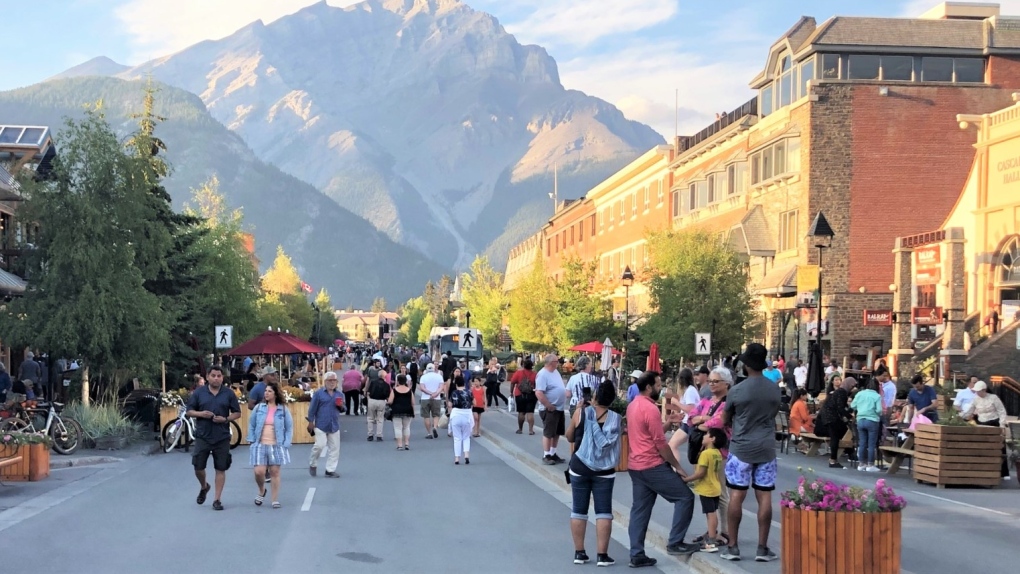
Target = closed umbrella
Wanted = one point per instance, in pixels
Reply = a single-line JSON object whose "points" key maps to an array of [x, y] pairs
{"points": [[653, 358], [816, 371], [607, 354]]}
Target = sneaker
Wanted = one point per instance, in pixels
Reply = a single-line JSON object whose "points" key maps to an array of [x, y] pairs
{"points": [[604, 560], [370, 438], [429, 436], [556, 459], [332, 474], [580, 557], [548, 460], [872, 469], [709, 546], [378, 438], [765, 555], [311, 470], [682, 549], [731, 553], [435, 433], [835, 465], [642, 561]]}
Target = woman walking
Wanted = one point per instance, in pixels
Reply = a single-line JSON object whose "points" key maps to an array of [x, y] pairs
{"points": [[493, 394], [522, 386], [868, 404], [595, 432], [401, 403], [352, 383], [270, 431], [478, 396], [461, 421]]}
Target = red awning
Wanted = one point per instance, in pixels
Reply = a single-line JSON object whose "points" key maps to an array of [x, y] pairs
{"points": [[275, 343], [593, 347]]}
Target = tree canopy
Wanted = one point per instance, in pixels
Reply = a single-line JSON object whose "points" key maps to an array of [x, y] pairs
{"points": [[483, 296], [533, 311]]}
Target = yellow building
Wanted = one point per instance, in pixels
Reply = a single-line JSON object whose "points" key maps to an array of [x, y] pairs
{"points": [[364, 326]]}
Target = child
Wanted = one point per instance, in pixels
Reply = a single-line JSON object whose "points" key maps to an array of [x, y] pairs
{"points": [[478, 402], [706, 483]]}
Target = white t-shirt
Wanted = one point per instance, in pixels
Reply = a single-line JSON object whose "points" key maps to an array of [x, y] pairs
{"points": [[578, 382], [691, 397], [430, 383], [551, 383], [800, 375]]}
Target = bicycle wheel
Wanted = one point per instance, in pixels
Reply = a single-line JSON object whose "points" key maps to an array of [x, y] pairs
{"points": [[171, 434], [10, 424], [235, 435], [67, 436]]}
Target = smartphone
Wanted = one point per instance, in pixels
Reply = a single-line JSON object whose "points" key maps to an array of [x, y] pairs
{"points": [[586, 394]]}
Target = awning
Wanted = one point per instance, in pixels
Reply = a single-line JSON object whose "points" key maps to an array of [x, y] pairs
{"points": [[751, 236], [780, 282], [11, 284]]}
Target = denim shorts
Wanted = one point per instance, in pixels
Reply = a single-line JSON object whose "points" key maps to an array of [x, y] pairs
{"points": [[584, 488]]}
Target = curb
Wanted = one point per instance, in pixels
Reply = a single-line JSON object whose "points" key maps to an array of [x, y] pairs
{"points": [[146, 450], [655, 536]]}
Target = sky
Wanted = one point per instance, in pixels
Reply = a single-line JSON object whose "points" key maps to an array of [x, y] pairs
{"points": [[643, 56]]}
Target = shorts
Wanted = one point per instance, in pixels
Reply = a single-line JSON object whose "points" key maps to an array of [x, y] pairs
{"points": [[431, 408], [526, 403], [220, 452], [478, 410], [268, 455], [709, 504], [552, 424], [742, 475]]}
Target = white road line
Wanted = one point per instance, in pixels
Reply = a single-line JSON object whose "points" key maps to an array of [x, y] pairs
{"points": [[999, 512], [308, 500]]}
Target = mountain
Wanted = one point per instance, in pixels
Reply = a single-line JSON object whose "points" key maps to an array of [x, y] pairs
{"points": [[330, 246], [98, 66], [425, 117]]}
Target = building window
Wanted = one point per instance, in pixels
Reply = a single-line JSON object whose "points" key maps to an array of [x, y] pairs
{"points": [[793, 155], [779, 159], [611, 219], [788, 230], [593, 226], [711, 189], [767, 163], [648, 197], [755, 169], [633, 204], [692, 197], [775, 160], [630, 257], [898, 68], [786, 82], [864, 67], [571, 235], [830, 66], [620, 212], [662, 189], [548, 247], [969, 70], [736, 179], [936, 69], [675, 198], [765, 101], [807, 72]]}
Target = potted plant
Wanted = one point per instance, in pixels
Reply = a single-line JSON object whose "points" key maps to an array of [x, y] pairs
{"points": [[104, 425], [33, 448], [956, 452], [830, 527]]}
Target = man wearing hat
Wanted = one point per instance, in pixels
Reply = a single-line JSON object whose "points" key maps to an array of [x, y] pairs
{"points": [[256, 393], [632, 390], [430, 385], [751, 408]]}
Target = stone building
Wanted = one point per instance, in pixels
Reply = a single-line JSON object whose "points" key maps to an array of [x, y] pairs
{"points": [[855, 117]]}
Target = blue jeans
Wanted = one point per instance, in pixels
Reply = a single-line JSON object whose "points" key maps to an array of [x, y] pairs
{"points": [[584, 488], [867, 432], [648, 484]]}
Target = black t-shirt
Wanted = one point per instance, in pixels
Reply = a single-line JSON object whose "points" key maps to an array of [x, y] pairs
{"points": [[221, 404]]}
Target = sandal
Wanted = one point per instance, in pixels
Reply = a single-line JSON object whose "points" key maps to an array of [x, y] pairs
{"points": [[260, 498], [531, 432], [520, 431], [202, 494], [276, 504]]}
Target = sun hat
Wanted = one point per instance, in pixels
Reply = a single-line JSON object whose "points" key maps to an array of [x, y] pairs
{"points": [[637, 374], [754, 357], [980, 386]]}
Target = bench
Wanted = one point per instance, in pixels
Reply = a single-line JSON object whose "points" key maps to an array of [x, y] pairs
{"points": [[899, 453], [813, 442], [10, 461]]}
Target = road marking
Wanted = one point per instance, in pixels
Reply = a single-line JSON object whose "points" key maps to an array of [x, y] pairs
{"points": [[999, 512], [33, 506], [308, 500]]}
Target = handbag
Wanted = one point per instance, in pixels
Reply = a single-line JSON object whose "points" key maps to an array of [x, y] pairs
{"points": [[443, 421], [388, 413], [697, 436]]}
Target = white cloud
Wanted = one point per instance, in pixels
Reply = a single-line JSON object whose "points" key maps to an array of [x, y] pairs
{"points": [[582, 22], [642, 81], [159, 27]]}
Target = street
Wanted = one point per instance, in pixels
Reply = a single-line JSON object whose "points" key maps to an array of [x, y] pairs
{"points": [[391, 511]]}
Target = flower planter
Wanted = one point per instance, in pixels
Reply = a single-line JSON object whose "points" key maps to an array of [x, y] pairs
{"points": [[166, 414], [958, 455], [19, 471], [38, 461], [823, 542]]}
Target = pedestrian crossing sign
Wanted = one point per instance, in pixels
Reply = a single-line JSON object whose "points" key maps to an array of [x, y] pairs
{"points": [[703, 343], [467, 340], [224, 336]]}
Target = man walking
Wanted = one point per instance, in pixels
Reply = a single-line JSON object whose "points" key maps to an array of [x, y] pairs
{"points": [[552, 399], [654, 471], [751, 409], [212, 407], [431, 385], [377, 391], [581, 383], [324, 425]]}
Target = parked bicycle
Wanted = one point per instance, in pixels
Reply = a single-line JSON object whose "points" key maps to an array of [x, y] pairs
{"points": [[44, 418], [182, 431]]}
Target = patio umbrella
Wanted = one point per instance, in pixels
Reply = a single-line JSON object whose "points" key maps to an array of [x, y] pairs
{"points": [[607, 354], [653, 358], [594, 347], [275, 343], [816, 371]]}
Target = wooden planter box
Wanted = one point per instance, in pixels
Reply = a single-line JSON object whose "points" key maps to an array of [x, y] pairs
{"points": [[38, 461], [624, 453], [19, 471], [166, 414], [826, 542], [958, 455]]}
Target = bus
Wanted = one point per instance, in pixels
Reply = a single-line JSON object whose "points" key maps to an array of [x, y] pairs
{"points": [[443, 339]]}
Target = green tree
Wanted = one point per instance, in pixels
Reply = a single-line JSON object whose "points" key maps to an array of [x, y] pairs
{"points": [[282, 277], [583, 313], [283, 304], [88, 297], [697, 284], [532, 314], [483, 295], [379, 305], [426, 328], [328, 330], [412, 314]]}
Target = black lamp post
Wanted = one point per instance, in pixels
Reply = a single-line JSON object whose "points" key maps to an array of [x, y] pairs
{"points": [[468, 316], [821, 234], [627, 279]]}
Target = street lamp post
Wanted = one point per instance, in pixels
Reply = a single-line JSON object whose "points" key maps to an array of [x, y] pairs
{"points": [[821, 234], [468, 316], [627, 279]]}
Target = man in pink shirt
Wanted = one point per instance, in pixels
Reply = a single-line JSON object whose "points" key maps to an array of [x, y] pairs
{"points": [[654, 471]]}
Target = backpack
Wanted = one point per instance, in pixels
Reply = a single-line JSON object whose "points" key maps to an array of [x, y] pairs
{"points": [[527, 385]]}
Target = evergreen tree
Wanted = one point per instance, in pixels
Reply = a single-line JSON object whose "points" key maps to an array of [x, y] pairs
{"points": [[328, 329], [584, 314], [412, 315], [483, 295], [533, 309], [379, 305]]}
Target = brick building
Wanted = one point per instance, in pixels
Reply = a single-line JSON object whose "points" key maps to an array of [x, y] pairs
{"points": [[570, 234], [855, 117]]}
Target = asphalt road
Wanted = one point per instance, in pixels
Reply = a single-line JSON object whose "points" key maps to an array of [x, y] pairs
{"points": [[391, 511]]}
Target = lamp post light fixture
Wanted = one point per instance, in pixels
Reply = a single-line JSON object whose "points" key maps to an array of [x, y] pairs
{"points": [[821, 234], [627, 279], [468, 316]]}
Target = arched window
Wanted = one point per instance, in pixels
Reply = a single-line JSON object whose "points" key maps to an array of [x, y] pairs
{"points": [[1010, 263]]}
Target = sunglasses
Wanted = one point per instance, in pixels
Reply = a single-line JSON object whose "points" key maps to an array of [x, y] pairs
{"points": [[714, 381]]}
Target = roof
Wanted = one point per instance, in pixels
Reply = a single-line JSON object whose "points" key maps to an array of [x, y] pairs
{"points": [[11, 283], [751, 236], [778, 282], [900, 32]]}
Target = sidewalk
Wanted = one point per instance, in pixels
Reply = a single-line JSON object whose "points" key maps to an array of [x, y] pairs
{"points": [[500, 428], [83, 457]]}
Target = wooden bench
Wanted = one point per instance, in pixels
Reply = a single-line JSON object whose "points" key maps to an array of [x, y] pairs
{"points": [[813, 442], [899, 453]]}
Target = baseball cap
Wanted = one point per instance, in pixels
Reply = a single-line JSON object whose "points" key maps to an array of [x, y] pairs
{"points": [[430, 368], [980, 386], [637, 374], [270, 370]]}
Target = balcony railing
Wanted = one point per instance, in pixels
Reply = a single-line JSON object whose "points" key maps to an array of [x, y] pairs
{"points": [[750, 108]]}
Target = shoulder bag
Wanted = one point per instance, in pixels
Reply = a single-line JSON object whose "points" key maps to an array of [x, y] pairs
{"points": [[696, 437]]}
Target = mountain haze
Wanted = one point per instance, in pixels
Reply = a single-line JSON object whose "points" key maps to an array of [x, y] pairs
{"points": [[330, 246], [425, 117]]}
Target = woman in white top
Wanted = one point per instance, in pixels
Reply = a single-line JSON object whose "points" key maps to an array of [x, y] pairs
{"points": [[688, 399], [987, 410]]}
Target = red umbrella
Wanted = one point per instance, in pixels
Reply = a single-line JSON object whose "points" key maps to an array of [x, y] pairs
{"points": [[275, 343], [593, 347], [653, 358]]}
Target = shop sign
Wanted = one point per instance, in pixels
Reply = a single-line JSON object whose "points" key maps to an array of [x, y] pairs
{"points": [[877, 318], [928, 265], [926, 316]]}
